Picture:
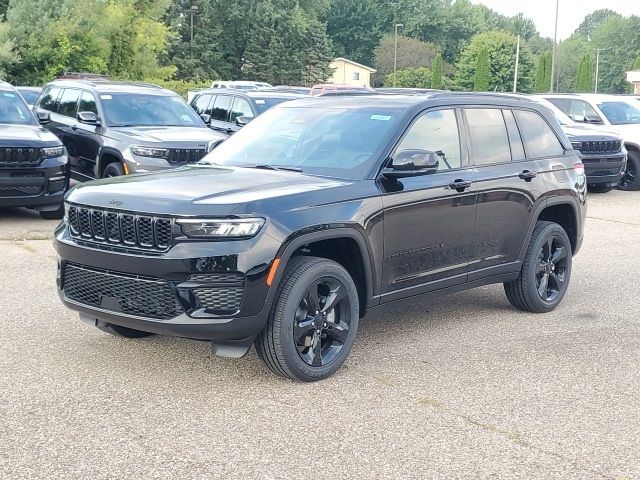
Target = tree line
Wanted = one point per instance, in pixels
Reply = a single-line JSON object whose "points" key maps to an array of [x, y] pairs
{"points": [[450, 44]]}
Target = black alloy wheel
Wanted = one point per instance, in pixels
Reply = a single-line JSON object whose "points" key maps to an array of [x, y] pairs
{"points": [[552, 269], [630, 180]]}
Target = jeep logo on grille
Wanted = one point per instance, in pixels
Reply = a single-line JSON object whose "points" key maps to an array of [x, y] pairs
{"points": [[115, 202]]}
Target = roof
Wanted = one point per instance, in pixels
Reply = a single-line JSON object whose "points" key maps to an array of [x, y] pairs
{"points": [[593, 97], [113, 86], [253, 93], [346, 60]]}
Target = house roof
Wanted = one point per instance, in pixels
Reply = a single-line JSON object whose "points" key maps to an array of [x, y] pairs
{"points": [[346, 60]]}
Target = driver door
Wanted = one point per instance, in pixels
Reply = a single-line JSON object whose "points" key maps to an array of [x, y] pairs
{"points": [[429, 220]]}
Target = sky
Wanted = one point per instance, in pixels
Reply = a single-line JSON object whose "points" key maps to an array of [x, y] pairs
{"points": [[571, 13]]}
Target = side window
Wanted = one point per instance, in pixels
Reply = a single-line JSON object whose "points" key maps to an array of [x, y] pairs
{"points": [[241, 108], [221, 107], [580, 110], [517, 148], [539, 139], [68, 102], [563, 104], [436, 131], [49, 99], [87, 103], [488, 135], [201, 104]]}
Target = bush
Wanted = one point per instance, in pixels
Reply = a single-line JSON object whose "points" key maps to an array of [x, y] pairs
{"points": [[409, 78], [181, 87]]}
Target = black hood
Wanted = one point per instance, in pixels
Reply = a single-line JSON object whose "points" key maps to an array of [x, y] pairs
{"points": [[13, 135]]}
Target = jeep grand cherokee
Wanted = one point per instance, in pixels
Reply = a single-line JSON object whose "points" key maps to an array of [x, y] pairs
{"points": [[321, 210]]}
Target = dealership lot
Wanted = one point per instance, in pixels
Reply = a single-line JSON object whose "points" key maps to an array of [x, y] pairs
{"points": [[463, 387]]}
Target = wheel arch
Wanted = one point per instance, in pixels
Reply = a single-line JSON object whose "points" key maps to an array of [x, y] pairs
{"points": [[106, 156], [562, 211]]}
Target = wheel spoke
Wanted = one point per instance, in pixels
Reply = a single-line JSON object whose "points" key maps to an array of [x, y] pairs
{"points": [[334, 297], [549, 248], [316, 347], [312, 300], [540, 267], [558, 280], [338, 332], [303, 329], [559, 254], [544, 284]]}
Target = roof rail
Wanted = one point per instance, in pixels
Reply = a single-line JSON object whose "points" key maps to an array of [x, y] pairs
{"points": [[517, 96]]}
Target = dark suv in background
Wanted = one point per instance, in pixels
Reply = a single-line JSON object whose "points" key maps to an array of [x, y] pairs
{"points": [[34, 171], [321, 210], [227, 111], [111, 128]]}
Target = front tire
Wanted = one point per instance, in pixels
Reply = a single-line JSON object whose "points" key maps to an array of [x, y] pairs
{"points": [[631, 178], [114, 169], [120, 331], [546, 271], [313, 323]]}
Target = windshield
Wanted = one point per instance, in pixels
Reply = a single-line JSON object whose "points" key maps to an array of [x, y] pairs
{"points": [[620, 113], [30, 96], [141, 109], [335, 142], [265, 104], [14, 110]]}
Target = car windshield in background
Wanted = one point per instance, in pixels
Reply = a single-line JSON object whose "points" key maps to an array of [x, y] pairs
{"points": [[138, 110], [335, 142], [265, 104], [30, 96], [620, 113], [14, 110]]}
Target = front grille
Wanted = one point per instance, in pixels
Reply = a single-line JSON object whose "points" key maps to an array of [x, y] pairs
{"points": [[111, 228], [21, 191], [597, 147], [120, 292], [183, 156], [57, 185], [602, 172], [219, 291], [19, 174], [20, 157]]}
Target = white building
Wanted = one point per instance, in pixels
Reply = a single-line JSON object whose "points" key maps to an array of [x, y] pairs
{"points": [[634, 77]]}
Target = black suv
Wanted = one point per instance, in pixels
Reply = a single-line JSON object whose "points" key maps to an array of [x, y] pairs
{"points": [[227, 111], [321, 210], [112, 128], [33, 163]]}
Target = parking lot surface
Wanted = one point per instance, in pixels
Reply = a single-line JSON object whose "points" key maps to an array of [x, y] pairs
{"points": [[461, 387]]}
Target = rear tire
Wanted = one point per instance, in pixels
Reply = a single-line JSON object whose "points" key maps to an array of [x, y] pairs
{"points": [[119, 331], [599, 188], [113, 169], [546, 271], [313, 323], [631, 178]]}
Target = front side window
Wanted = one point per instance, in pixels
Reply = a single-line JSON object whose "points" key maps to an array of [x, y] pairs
{"points": [[14, 110], [221, 107], [148, 110], [620, 113], [87, 103], [68, 102], [538, 137], [241, 108], [436, 131], [49, 99], [580, 111], [201, 104], [488, 135]]}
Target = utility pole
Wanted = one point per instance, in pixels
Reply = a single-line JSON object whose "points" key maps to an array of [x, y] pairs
{"points": [[515, 76], [555, 41], [598, 50], [395, 53], [192, 11]]}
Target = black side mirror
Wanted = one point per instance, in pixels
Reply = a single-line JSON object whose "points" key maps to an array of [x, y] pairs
{"points": [[90, 118], [206, 118], [411, 163], [242, 121], [43, 117]]}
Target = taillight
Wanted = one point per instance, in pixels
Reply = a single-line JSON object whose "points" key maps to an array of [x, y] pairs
{"points": [[579, 168]]}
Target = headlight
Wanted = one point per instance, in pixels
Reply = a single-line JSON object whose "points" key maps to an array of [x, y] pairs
{"points": [[149, 151], [576, 145], [210, 228], [51, 152]]}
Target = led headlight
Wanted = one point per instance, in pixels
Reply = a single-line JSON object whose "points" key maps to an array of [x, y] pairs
{"points": [[148, 151], [231, 228], [51, 152]]}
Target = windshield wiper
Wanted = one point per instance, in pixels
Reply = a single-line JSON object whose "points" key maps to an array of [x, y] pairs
{"points": [[277, 167]]}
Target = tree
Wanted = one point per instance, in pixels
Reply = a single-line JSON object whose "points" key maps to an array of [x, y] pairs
{"points": [[543, 73], [568, 55], [593, 21], [584, 75], [501, 52], [412, 53], [436, 72], [482, 74], [420, 77]]}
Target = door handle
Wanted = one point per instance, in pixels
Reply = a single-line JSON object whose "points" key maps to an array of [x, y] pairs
{"points": [[527, 175], [460, 185]]}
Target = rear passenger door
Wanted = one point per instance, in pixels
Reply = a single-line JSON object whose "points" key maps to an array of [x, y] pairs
{"points": [[509, 181], [220, 113]]}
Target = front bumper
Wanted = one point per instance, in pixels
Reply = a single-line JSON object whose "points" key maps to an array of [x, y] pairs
{"points": [[41, 187], [176, 269], [604, 170]]}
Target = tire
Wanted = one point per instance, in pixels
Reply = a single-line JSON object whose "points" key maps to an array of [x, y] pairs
{"points": [[527, 292], [283, 344], [600, 188], [113, 169], [53, 214], [631, 178], [119, 331]]}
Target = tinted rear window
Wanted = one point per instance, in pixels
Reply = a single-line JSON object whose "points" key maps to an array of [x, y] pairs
{"points": [[489, 140], [539, 139], [264, 104]]}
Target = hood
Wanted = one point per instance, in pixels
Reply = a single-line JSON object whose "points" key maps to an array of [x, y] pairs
{"points": [[198, 190], [581, 133], [12, 135], [630, 133], [176, 136]]}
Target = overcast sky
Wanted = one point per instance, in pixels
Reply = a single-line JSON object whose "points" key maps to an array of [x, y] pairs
{"points": [[572, 12]]}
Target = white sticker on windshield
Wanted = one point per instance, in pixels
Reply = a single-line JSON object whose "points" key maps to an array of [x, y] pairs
{"points": [[260, 102], [384, 118], [11, 95], [106, 97], [186, 118]]}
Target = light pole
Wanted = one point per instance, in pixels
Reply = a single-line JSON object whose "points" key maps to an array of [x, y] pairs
{"points": [[192, 11], [555, 41], [395, 53], [515, 76], [598, 50]]}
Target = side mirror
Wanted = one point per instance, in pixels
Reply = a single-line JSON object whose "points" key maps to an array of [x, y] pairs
{"points": [[215, 144], [593, 119], [242, 121], [412, 163], [90, 118], [43, 117], [206, 118]]}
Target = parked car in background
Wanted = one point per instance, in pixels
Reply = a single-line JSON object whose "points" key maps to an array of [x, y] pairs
{"points": [[603, 153], [34, 171], [227, 111], [290, 89], [322, 209], [240, 84], [614, 113], [30, 94], [113, 128], [405, 91], [321, 88]]}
